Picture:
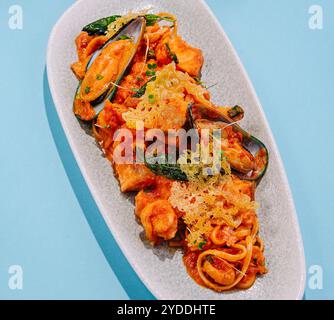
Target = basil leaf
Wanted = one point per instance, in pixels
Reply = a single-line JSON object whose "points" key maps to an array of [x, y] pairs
{"points": [[141, 91], [100, 27], [170, 171], [152, 19]]}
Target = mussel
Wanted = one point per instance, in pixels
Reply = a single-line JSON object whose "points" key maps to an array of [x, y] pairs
{"points": [[249, 159], [106, 69], [100, 27]]}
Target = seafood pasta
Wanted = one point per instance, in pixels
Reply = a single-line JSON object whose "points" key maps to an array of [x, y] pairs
{"points": [[193, 168]]}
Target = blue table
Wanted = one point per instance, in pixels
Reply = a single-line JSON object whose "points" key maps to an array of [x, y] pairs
{"points": [[49, 223]]}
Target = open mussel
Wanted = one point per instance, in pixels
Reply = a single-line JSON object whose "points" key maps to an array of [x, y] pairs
{"points": [[106, 69], [247, 155]]}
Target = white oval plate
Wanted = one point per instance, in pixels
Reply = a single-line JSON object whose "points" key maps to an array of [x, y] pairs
{"points": [[161, 270]]}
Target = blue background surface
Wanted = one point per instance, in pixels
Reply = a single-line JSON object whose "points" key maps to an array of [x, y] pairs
{"points": [[49, 223]]}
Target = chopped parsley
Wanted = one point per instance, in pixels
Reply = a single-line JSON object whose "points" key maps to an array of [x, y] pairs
{"points": [[152, 66], [151, 98], [124, 37], [99, 77], [87, 90], [201, 245], [150, 73]]}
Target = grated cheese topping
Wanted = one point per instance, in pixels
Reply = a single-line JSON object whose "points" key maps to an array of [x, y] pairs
{"points": [[207, 201], [115, 26], [164, 104]]}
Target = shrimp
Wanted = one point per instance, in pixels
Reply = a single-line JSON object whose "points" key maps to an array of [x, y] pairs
{"points": [[159, 220], [225, 275]]}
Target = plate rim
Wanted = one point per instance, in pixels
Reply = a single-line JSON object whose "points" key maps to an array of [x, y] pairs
{"points": [[122, 246]]}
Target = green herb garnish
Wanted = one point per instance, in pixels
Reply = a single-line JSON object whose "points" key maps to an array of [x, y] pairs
{"points": [[201, 245], [150, 73], [87, 90], [172, 54], [151, 98], [152, 19], [100, 27], [236, 112], [161, 168], [141, 91], [152, 66], [124, 37], [99, 77]]}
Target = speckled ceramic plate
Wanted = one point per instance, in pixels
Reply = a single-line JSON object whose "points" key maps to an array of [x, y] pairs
{"points": [[160, 269]]}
